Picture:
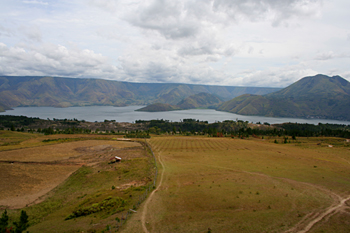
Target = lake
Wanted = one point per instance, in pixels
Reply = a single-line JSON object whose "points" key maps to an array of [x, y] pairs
{"points": [[128, 114]]}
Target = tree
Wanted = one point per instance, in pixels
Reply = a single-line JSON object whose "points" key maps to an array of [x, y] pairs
{"points": [[22, 225], [4, 221]]}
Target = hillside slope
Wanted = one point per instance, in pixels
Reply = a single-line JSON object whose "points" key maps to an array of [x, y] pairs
{"points": [[18, 91], [3, 107], [200, 100], [317, 96], [158, 107]]}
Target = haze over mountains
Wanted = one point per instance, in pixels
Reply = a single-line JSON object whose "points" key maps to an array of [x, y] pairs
{"points": [[65, 92]]}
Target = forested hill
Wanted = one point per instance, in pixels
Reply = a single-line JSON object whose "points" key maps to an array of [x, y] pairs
{"points": [[18, 91], [317, 96]]}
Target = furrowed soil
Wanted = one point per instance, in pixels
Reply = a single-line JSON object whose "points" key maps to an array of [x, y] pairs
{"points": [[235, 185], [71, 183]]}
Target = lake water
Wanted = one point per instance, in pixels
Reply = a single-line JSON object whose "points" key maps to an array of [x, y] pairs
{"points": [[128, 114]]}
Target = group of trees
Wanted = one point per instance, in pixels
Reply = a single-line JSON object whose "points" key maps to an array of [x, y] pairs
{"points": [[19, 226], [242, 128], [190, 127]]}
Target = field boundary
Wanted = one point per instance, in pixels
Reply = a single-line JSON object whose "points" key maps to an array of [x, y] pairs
{"points": [[144, 212]]}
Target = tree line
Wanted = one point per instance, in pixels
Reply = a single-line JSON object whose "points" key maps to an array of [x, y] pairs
{"points": [[231, 128]]}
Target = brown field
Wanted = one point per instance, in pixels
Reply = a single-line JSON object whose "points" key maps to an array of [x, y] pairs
{"points": [[234, 185], [62, 151], [52, 177], [27, 174], [23, 184]]}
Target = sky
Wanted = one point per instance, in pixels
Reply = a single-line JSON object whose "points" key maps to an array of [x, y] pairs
{"points": [[258, 43]]}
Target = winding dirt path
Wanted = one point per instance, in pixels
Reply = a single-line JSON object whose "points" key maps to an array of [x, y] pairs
{"points": [[328, 213], [144, 212]]}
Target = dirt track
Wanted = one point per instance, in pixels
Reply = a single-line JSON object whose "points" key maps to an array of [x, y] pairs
{"points": [[313, 220], [144, 212]]}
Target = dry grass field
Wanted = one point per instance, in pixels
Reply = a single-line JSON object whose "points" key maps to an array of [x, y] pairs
{"points": [[23, 184], [27, 174], [52, 180], [255, 185]]}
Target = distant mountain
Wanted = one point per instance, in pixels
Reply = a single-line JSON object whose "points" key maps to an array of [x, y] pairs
{"points": [[158, 107], [16, 91], [318, 96], [3, 107], [200, 100]]}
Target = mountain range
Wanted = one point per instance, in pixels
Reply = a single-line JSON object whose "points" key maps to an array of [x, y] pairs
{"points": [[317, 96], [20, 91]]}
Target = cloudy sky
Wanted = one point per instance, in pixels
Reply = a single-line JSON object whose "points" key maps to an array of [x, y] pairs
{"points": [[221, 42]]}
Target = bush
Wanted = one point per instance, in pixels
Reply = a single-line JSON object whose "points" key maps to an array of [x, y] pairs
{"points": [[105, 205]]}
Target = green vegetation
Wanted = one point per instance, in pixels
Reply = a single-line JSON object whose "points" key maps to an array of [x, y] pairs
{"points": [[13, 122], [244, 129], [116, 203], [20, 225], [319, 96], [229, 128], [138, 135]]}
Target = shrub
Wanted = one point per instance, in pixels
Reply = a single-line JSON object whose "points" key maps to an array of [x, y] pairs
{"points": [[105, 205]]}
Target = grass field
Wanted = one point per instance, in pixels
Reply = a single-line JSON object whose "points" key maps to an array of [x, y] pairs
{"points": [[255, 185], [68, 184]]}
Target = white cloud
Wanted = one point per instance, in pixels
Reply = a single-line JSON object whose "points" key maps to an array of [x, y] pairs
{"points": [[36, 2], [330, 55], [275, 76], [31, 32], [224, 42], [181, 19], [55, 60], [107, 5]]}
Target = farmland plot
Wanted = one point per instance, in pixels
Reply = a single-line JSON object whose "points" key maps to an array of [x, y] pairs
{"points": [[234, 185], [27, 174]]}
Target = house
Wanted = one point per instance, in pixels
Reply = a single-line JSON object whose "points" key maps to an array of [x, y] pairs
{"points": [[115, 159]]}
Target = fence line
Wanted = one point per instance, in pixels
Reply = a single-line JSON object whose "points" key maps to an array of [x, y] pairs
{"points": [[142, 197]]}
